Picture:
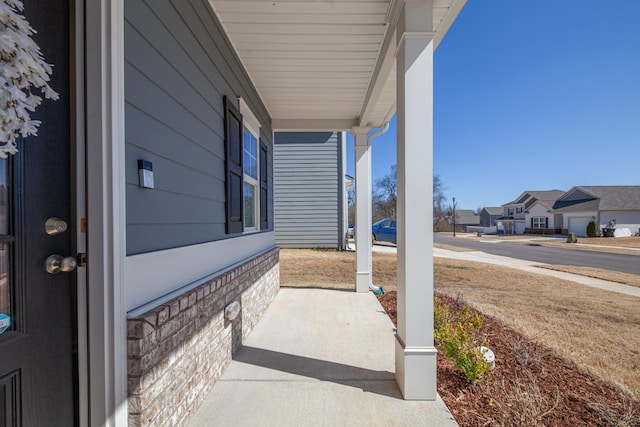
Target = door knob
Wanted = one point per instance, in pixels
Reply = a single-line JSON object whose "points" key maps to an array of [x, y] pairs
{"points": [[55, 226], [54, 264]]}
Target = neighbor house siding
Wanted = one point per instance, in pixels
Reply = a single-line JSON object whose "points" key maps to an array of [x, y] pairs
{"points": [[178, 67], [624, 219], [307, 189], [540, 211]]}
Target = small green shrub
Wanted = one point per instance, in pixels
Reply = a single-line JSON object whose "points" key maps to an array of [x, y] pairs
{"points": [[592, 229], [457, 335]]}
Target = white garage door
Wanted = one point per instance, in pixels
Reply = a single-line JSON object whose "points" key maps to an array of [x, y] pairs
{"points": [[578, 225], [520, 227]]}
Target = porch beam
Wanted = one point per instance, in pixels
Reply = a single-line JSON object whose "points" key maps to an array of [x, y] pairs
{"points": [[381, 73], [415, 351], [363, 208]]}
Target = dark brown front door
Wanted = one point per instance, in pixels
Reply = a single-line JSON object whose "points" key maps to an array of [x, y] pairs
{"points": [[37, 352]]}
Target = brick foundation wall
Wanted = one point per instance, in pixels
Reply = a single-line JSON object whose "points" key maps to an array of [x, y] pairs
{"points": [[177, 351]]}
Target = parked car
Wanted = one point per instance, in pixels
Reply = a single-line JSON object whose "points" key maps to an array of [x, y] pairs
{"points": [[384, 230], [351, 232]]}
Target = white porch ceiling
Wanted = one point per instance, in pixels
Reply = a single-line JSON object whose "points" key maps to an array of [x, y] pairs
{"points": [[322, 65]]}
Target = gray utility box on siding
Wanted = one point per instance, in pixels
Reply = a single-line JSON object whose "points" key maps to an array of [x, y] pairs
{"points": [[309, 189]]}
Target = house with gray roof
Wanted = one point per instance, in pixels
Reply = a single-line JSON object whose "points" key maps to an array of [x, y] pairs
{"points": [[489, 215], [466, 218], [532, 212], [606, 205]]}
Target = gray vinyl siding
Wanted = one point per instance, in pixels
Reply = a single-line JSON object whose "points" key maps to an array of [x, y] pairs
{"points": [[307, 189], [178, 67]]}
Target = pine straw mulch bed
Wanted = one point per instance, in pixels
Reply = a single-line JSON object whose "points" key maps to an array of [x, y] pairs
{"points": [[529, 385]]}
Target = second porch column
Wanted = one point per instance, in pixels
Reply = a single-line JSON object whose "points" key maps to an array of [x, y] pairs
{"points": [[415, 351], [363, 209]]}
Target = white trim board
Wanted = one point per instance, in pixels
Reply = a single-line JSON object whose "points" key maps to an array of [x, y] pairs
{"points": [[153, 278]]}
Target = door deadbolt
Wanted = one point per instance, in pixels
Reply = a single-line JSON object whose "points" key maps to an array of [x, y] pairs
{"points": [[55, 226], [54, 264]]}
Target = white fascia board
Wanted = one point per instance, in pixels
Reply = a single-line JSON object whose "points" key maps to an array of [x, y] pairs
{"points": [[447, 21], [380, 76], [313, 125]]}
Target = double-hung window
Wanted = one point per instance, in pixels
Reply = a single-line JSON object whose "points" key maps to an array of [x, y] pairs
{"points": [[539, 222], [250, 172], [247, 181]]}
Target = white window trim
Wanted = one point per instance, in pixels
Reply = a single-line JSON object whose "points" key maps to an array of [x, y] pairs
{"points": [[539, 222], [251, 123]]}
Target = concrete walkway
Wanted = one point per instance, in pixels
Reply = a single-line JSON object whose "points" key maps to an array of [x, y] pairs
{"points": [[524, 265], [317, 358]]}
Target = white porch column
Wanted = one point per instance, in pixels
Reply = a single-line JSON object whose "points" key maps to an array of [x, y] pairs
{"points": [[363, 208], [415, 351]]}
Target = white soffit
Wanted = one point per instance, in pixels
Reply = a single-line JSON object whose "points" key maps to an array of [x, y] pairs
{"points": [[318, 65]]}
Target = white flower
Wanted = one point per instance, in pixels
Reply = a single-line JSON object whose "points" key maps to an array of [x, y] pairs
{"points": [[22, 70]]}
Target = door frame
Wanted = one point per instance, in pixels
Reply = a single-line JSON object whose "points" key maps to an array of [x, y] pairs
{"points": [[99, 41], [78, 141]]}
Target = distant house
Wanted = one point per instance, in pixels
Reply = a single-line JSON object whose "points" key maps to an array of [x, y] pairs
{"points": [[532, 212], [310, 189], [466, 218], [603, 204], [489, 216]]}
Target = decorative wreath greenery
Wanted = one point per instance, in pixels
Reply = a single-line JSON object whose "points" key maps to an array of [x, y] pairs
{"points": [[22, 68]]}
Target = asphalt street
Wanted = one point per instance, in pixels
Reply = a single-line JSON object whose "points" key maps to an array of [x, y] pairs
{"points": [[559, 256]]}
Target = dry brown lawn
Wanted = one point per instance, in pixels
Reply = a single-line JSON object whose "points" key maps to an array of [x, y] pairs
{"points": [[304, 268], [451, 248], [598, 330], [621, 245], [597, 273]]}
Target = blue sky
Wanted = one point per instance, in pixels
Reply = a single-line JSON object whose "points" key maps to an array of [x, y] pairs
{"points": [[533, 95]]}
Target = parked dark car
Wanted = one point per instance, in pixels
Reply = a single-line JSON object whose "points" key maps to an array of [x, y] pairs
{"points": [[384, 230]]}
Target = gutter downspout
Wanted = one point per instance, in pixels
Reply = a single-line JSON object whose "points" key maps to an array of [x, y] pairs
{"points": [[377, 290], [380, 132]]}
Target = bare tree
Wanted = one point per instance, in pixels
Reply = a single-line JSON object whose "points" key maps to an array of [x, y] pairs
{"points": [[441, 211], [385, 196], [351, 205]]}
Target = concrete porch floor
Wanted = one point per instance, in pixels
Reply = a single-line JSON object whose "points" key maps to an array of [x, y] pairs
{"points": [[317, 358]]}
